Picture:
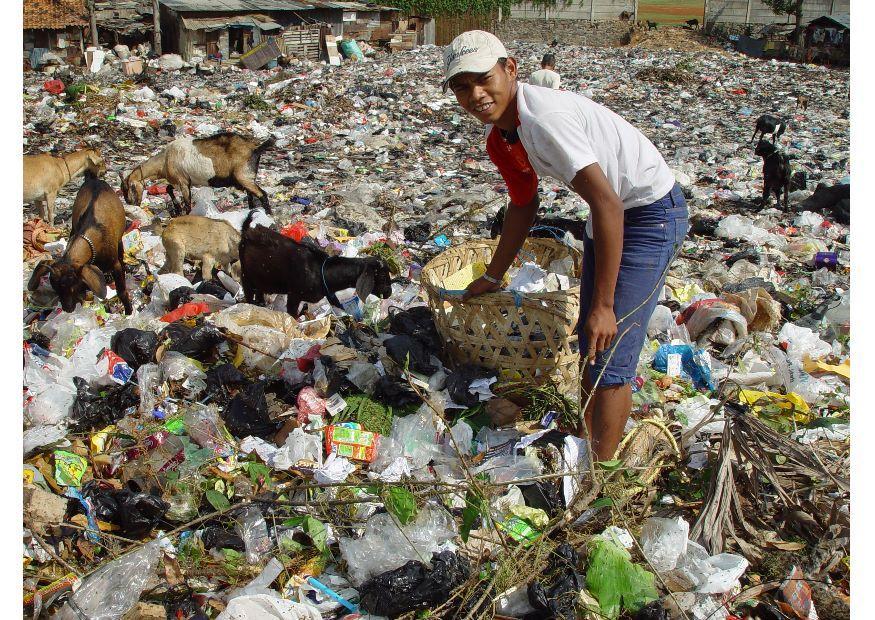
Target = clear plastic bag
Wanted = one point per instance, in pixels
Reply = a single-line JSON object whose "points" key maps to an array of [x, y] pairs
{"points": [[299, 446], [385, 547], [207, 430], [252, 528], [149, 382], [663, 541], [113, 589], [179, 368]]}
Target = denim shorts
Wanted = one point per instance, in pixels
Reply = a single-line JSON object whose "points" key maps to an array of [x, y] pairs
{"points": [[652, 236]]}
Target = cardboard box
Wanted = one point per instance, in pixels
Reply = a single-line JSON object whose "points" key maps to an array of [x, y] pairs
{"points": [[132, 66]]}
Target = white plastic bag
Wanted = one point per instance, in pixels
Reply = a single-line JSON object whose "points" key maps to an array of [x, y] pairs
{"points": [[113, 589], [267, 607], [299, 446], [663, 541], [252, 528]]}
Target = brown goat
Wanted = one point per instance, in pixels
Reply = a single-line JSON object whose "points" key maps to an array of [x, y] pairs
{"points": [[44, 175], [95, 246], [222, 160]]}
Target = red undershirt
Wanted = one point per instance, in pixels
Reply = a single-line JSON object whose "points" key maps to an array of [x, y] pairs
{"points": [[512, 162]]}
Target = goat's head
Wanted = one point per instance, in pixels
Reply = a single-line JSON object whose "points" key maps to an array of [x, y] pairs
{"points": [[765, 148], [95, 163], [375, 278], [133, 189], [69, 282]]}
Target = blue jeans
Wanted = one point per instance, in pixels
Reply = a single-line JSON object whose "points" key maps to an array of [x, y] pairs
{"points": [[652, 237]]}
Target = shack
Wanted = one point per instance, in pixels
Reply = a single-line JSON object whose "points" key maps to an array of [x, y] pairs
{"points": [[828, 39], [207, 28], [53, 32], [126, 22]]}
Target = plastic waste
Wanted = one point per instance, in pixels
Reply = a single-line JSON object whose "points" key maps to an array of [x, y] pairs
{"points": [[267, 607], [557, 597], [198, 342], [663, 541], [414, 586], [98, 408], [615, 581], [687, 362], [135, 346], [660, 321], [115, 588], [385, 547], [252, 528], [135, 513], [180, 369], [206, 429], [299, 446], [409, 353], [246, 414]]}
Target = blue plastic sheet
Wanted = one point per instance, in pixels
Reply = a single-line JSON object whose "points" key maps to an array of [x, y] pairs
{"points": [[695, 364]]}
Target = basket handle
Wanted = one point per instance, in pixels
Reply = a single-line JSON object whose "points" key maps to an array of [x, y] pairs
{"points": [[444, 293]]}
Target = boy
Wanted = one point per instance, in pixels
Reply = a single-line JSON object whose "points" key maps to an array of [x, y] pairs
{"points": [[638, 215], [546, 76]]}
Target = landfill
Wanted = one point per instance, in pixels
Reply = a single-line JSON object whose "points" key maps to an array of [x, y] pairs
{"points": [[205, 457]]}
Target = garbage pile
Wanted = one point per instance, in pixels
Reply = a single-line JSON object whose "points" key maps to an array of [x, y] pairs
{"points": [[205, 457]]}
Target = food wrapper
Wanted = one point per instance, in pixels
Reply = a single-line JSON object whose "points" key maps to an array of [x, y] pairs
{"points": [[351, 443], [69, 468]]}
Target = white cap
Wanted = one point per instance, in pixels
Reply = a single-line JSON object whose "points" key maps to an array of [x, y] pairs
{"points": [[475, 51]]}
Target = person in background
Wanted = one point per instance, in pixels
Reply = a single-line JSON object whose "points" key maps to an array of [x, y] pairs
{"points": [[546, 76], [638, 216]]}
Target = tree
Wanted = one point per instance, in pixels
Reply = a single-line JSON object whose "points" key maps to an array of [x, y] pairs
{"points": [[788, 7]]}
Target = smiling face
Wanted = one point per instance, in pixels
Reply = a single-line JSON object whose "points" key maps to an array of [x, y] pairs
{"points": [[487, 96]]}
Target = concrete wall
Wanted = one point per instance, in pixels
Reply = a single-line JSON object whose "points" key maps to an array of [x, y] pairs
{"points": [[755, 12], [596, 10], [566, 31]]}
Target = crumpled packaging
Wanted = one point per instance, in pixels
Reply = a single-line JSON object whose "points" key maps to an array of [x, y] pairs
{"points": [[761, 311]]}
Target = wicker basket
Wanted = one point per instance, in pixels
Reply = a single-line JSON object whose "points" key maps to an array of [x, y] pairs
{"points": [[532, 337]]}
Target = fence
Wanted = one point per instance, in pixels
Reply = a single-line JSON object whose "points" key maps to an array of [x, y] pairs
{"points": [[755, 12]]}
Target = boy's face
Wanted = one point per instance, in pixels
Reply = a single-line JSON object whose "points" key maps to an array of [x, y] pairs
{"points": [[486, 96]]}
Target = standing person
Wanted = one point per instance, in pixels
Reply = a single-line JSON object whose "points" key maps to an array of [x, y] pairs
{"points": [[546, 76], [638, 217]]}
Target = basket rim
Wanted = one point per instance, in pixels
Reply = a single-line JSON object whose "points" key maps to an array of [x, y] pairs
{"points": [[502, 298]]}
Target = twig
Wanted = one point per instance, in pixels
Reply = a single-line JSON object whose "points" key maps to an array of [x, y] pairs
{"points": [[49, 550]]}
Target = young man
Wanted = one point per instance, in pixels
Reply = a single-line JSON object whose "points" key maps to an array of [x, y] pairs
{"points": [[638, 217], [546, 76]]}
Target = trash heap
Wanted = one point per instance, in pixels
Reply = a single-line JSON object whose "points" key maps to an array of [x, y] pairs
{"points": [[208, 458]]}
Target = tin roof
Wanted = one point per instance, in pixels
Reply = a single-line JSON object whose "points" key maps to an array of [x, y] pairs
{"points": [[843, 21], [217, 23], [234, 6], [54, 14]]}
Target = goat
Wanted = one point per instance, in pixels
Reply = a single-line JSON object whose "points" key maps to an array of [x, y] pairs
{"points": [[802, 102], [651, 25], [543, 227], [769, 124], [625, 16], [44, 175], [272, 263], [693, 23], [194, 236], [95, 245], [776, 172], [222, 160]]}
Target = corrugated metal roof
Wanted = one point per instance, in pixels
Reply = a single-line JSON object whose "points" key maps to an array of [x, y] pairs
{"points": [[234, 6], [54, 14], [217, 23], [841, 20]]}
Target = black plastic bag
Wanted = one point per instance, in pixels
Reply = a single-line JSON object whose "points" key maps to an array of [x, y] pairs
{"points": [[413, 586], [246, 414], [546, 495], [223, 378], [653, 611], [220, 538], [417, 323], [212, 287], [408, 352], [179, 296], [461, 379], [93, 409], [135, 346], [135, 513], [420, 233], [393, 392], [557, 598], [198, 342]]}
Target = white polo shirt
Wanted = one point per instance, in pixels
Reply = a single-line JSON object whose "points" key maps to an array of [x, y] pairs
{"points": [[563, 132], [546, 78]]}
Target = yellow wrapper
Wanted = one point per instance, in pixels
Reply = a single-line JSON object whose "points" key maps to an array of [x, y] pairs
{"points": [[792, 402]]}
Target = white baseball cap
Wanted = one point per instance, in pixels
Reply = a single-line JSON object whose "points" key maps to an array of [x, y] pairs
{"points": [[475, 51]]}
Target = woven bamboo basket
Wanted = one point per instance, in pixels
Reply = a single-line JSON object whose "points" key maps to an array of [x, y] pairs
{"points": [[530, 336]]}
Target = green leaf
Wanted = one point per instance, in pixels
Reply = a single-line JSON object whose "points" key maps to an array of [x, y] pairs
{"points": [[257, 472], [294, 522], [473, 509], [615, 581], [780, 459], [401, 503], [602, 502], [610, 465], [217, 499], [315, 529]]}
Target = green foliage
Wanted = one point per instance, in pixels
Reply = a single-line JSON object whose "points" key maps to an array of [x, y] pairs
{"points": [[400, 503], [785, 7], [217, 499], [434, 8], [474, 505]]}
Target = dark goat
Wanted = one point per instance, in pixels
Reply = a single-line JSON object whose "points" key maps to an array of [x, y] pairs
{"points": [[95, 246], [693, 23], [575, 226], [769, 124], [776, 172], [273, 263], [651, 25]]}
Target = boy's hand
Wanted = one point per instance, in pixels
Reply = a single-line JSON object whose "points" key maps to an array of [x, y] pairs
{"points": [[479, 287], [600, 329]]}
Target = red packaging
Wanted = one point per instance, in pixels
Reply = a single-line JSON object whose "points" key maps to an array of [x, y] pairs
{"points": [[54, 87], [351, 443], [186, 310], [307, 361], [157, 190], [310, 403], [296, 231]]}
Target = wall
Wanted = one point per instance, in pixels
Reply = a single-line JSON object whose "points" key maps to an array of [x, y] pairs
{"points": [[566, 31], [736, 11], [597, 10]]}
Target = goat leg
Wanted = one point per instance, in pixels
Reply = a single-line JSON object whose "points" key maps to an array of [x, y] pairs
{"points": [[118, 276], [293, 302], [207, 264], [173, 199], [186, 198], [50, 207]]}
